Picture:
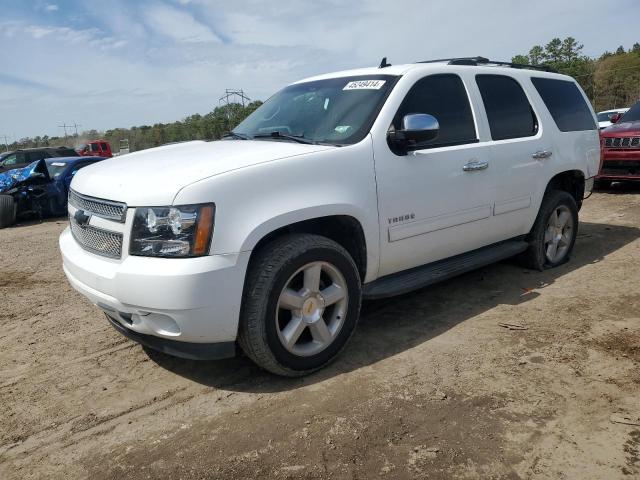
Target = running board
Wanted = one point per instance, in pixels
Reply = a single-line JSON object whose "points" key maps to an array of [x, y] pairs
{"points": [[415, 278]]}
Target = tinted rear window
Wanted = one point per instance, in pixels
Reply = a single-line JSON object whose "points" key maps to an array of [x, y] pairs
{"points": [[508, 110], [565, 103]]}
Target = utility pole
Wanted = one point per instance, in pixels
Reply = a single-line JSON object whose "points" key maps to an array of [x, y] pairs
{"points": [[64, 125], [230, 93], [76, 127], [228, 98], [6, 142]]}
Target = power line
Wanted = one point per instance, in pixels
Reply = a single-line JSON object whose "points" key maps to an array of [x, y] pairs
{"points": [[230, 93], [65, 126]]}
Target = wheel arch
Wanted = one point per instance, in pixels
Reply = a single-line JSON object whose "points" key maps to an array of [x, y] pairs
{"points": [[570, 181], [344, 229]]}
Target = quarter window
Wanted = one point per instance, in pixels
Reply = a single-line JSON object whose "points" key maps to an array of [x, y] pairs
{"points": [[508, 110], [444, 97], [566, 104]]}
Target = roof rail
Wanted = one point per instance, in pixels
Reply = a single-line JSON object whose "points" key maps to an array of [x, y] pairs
{"points": [[475, 61]]}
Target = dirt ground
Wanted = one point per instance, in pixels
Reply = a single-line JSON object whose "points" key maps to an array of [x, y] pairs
{"points": [[430, 387]]}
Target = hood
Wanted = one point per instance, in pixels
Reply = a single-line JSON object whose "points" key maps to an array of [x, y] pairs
{"points": [[153, 177], [34, 173], [622, 129]]}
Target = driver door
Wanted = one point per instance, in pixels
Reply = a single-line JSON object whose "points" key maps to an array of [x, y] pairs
{"points": [[436, 200]]}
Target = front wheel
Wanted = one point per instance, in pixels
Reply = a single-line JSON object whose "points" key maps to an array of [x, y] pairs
{"points": [[554, 233], [300, 305], [8, 210]]}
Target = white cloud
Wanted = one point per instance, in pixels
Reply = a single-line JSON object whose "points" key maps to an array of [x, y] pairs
{"points": [[158, 60], [52, 7], [179, 25]]}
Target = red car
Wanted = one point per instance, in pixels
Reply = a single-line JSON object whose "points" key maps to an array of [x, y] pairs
{"points": [[621, 148], [95, 148]]}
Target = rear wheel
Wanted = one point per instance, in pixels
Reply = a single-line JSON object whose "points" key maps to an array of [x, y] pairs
{"points": [[301, 304], [8, 210], [554, 233]]}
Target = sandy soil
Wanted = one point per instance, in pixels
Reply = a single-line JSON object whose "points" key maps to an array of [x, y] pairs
{"points": [[430, 387]]}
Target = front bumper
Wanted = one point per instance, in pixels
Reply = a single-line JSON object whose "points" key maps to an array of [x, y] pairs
{"points": [[620, 165], [192, 300]]}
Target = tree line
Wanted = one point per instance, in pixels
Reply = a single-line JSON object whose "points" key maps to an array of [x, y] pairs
{"points": [[610, 81], [210, 126]]}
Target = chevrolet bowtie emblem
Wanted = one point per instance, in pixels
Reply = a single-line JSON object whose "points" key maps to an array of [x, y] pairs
{"points": [[81, 217]]}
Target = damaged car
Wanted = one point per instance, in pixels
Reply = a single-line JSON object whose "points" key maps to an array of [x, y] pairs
{"points": [[40, 189]]}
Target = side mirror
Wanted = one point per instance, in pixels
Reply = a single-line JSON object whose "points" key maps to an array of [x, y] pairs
{"points": [[615, 118], [417, 128]]}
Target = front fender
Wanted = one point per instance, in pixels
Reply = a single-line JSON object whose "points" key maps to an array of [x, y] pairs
{"points": [[254, 201]]}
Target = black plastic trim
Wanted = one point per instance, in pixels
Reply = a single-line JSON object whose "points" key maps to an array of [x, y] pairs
{"points": [[188, 350], [419, 277]]}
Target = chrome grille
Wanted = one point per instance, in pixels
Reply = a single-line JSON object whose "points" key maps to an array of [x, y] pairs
{"points": [[622, 142], [97, 240], [96, 206]]}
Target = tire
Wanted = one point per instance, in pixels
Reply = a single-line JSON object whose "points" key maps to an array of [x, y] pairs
{"points": [[603, 184], [537, 256], [8, 210], [277, 305]]}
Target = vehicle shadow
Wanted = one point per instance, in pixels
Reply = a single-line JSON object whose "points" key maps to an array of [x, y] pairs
{"points": [[388, 327], [30, 220], [631, 187]]}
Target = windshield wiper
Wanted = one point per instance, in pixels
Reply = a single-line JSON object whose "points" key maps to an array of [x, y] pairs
{"points": [[235, 135], [277, 134]]}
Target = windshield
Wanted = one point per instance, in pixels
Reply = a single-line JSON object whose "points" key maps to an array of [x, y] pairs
{"points": [[56, 169], [605, 116], [632, 115], [337, 111]]}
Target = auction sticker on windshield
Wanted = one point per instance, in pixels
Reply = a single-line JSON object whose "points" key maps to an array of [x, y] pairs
{"points": [[365, 85]]}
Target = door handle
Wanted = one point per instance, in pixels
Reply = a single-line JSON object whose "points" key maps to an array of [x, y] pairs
{"points": [[542, 154], [474, 166]]}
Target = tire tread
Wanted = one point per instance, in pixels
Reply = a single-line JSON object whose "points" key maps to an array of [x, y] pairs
{"points": [[261, 274]]}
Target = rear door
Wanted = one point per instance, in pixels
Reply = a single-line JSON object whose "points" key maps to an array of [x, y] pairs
{"points": [[519, 148]]}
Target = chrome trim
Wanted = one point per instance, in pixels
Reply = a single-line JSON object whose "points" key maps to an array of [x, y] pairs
{"points": [[474, 166], [97, 240], [99, 207], [541, 154], [622, 142]]}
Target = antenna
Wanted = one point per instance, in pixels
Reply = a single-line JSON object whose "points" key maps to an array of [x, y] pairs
{"points": [[383, 63]]}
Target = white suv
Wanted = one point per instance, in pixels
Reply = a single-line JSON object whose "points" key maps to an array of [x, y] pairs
{"points": [[358, 184]]}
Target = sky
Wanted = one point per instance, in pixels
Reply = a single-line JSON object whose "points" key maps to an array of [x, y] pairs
{"points": [[117, 63]]}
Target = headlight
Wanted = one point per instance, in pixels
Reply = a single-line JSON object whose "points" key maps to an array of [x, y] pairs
{"points": [[180, 231]]}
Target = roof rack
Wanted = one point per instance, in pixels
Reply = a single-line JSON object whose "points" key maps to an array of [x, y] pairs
{"points": [[475, 61]]}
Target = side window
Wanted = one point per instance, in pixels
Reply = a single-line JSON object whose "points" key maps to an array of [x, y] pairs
{"points": [[566, 104], [103, 146], [444, 97], [33, 156], [508, 110], [94, 147], [10, 160]]}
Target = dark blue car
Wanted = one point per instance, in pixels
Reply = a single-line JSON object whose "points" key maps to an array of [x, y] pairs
{"points": [[61, 172], [40, 189]]}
